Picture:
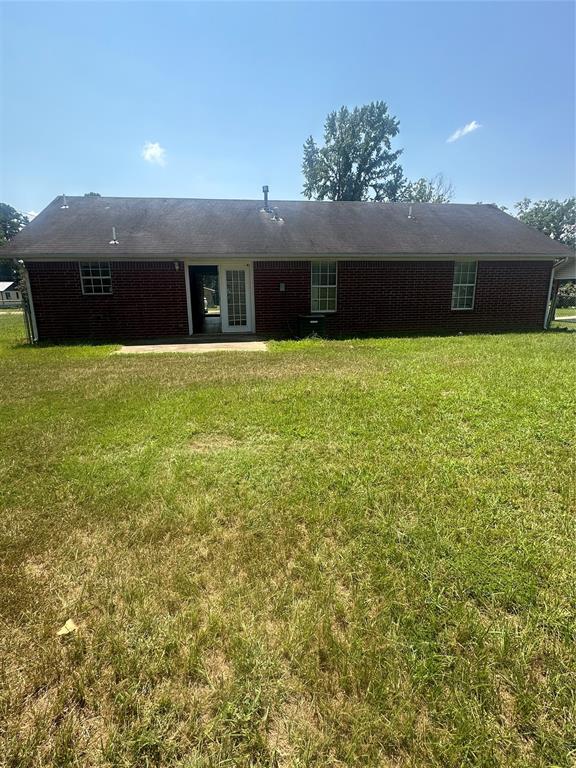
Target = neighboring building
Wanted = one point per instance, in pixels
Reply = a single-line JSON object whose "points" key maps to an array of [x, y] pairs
{"points": [[567, 270], [129, 268], [10, 295]]}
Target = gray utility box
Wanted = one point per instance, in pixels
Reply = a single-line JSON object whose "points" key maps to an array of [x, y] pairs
{"points": [[311, 325]]}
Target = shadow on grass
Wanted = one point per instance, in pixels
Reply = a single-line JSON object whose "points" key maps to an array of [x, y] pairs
{"points": [[441, 334], [62, 345], [438, 333]]}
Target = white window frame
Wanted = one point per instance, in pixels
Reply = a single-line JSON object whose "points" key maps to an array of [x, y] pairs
{"points": [[85, 278], [334, 285], [467, 284]]}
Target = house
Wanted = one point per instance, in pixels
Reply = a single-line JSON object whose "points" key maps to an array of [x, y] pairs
{"points": [[10, 295], [134, 268]]}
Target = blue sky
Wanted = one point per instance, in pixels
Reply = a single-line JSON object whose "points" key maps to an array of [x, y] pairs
{"points": [[230, 92]]}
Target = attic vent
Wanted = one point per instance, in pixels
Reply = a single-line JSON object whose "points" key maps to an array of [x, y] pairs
{"points": [[114, 240], [266, 208], [273, 213]]}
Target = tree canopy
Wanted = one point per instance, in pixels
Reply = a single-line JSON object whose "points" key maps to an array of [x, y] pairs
{"points": [[357, 161], [434, 190], [11, 222], [556, 218]]}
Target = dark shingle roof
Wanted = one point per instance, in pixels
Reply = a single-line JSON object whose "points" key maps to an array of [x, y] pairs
{"points": [[173, 226]]}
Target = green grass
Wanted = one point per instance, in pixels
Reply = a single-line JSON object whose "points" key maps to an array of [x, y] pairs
{"points": [[352, 553], [565, 312]]}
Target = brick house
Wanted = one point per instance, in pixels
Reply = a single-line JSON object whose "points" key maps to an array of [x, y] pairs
{"points": [[134, 268]]}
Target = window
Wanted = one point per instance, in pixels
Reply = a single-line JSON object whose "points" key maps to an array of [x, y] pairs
{"points": [[236, 294], [464, 285], [324, 279], [8, 295], [96, 277]]}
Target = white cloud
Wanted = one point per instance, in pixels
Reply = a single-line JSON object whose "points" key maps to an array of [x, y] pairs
{"points": [[468, 128], [32, 215], [153, 153]]}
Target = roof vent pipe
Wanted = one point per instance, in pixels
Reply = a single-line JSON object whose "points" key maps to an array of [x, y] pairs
{"points": [[114, 240], [265, 190], [410, 212], [64, 202]]}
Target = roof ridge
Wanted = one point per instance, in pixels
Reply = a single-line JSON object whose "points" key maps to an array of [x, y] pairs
{"points": [[259, 201]]}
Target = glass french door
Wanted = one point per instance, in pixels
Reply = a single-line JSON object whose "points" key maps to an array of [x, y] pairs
{"points": [[236, 299]]}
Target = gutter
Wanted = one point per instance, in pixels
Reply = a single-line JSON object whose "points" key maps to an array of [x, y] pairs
{"points": [[209, 256]]}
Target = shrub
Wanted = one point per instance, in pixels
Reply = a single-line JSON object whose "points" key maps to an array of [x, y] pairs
{"points": [[567, 295]]}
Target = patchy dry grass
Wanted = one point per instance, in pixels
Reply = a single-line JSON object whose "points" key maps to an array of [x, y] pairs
{"points": [[354, 553]]}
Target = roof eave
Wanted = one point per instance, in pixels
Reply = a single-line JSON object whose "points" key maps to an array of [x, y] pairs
{"points": [[289, 256]]}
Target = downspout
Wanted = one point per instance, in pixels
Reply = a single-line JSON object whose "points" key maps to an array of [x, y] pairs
{"points": [[551, 303], [29, 302]]}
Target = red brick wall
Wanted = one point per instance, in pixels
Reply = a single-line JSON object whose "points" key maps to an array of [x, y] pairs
{"points": [[277, 312], [148, 301], [398, 296]]}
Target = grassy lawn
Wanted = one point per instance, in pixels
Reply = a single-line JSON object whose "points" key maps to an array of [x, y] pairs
{"points": [[565, 312], [354, 553]]}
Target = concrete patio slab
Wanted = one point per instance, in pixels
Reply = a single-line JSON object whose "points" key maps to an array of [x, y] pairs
{"points": [[194, 348]]}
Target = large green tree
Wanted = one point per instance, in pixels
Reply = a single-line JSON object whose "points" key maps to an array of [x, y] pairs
{"points": [[11, 221], [556, 218], [356, 161]]}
